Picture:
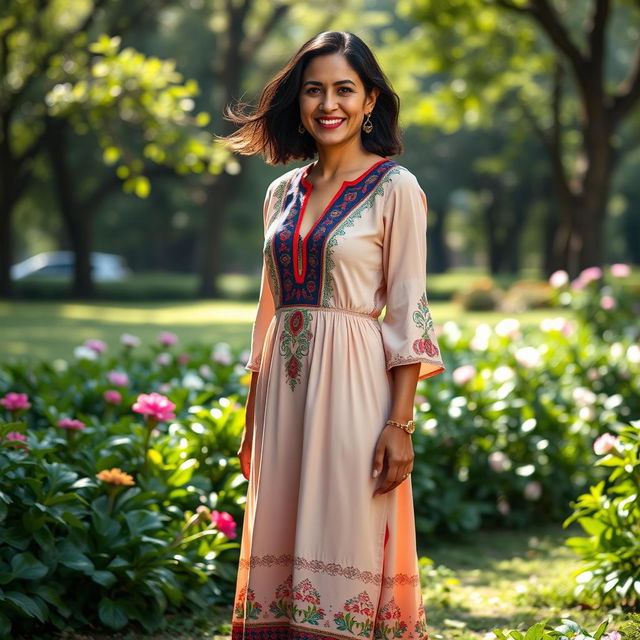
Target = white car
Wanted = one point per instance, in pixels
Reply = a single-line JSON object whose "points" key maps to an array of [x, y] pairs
{"points": [[105, 267]]}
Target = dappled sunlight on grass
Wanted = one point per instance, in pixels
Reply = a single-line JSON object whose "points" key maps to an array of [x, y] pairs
{"points": [[50, 329]]}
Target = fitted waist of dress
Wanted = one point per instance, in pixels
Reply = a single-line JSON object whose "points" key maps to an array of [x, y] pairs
{"points": [[360, 314]]}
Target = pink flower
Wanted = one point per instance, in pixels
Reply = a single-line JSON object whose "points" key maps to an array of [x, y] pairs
{"points": [[606, 443], [620, 270], [590, 274], [503, 506], [155, 405], [608, 303], [463, 374], [613, 635], [183, 358], [167, 338], [224, 522], [68, 423], [99, 346], [578, 284], [532, 490], [558, 279], [15, 401], [129, 340], [118, 378], [16, 440], [498, 461], [111, 396], [164, 359]]}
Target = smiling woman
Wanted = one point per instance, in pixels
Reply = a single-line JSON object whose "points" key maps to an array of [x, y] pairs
{"points": [[328, 545]]}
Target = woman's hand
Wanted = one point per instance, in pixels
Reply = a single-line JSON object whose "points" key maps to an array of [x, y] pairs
{"points": [[244, 453], [393, 457]]}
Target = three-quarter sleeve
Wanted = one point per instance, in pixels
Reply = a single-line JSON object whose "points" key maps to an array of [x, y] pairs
{"points": [[266, 305], [407, 328]]}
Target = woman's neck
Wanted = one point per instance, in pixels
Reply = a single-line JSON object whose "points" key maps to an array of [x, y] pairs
{"points": [[335, 161]]}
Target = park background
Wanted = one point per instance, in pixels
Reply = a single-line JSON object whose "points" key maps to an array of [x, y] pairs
{"points": [[521, 121]]}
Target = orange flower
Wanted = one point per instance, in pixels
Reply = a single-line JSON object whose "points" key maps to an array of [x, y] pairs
{"points": [[116, 476]]}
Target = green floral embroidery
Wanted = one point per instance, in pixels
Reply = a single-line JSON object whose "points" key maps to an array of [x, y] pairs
{"points": [[253, 608], [422, 318], [294, 343], [287, 598], [421, 624], [388, 623], [282, 607], [352, 621]]}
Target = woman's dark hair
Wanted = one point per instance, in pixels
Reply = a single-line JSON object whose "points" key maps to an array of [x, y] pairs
{"points": [[272, 128]]}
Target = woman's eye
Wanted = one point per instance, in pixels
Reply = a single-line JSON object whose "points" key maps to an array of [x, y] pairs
{"points": [[347, 89]]}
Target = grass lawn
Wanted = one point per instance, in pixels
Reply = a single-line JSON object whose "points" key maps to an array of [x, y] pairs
{"points": [[498, 579], [41, 329]]}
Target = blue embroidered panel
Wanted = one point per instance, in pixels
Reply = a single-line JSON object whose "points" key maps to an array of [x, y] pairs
{"points": [[308, 291]]}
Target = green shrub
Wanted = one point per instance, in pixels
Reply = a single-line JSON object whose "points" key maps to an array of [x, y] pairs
{"points": [[109, 515], [610, 516], [481, 295], [565, 631]]}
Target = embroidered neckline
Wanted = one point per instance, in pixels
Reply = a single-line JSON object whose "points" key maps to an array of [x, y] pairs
{"points": [[300, 243]]}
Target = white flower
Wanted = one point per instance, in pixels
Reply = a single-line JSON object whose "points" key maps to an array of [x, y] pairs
{"points": [[163, 359], [559, 279], [583, 397], [129, 340], [633, 354], [205, 371], [533, 490], [192, 381], [527, 357], [498, 461], [508, 328], [503, 373], [587, 414], [451, 331], [616, 350], [85, 353], [222, 354], [463, 374]]}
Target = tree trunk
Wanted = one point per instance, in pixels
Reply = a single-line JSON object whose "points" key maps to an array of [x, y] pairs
{"points": [[77, 220], [438, 261], [7, 203]]}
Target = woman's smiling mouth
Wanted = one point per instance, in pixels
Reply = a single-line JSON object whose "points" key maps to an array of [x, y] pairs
{"points": [[330, 123]]}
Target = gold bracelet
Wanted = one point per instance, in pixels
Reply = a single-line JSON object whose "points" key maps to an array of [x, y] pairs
{"points": [[409, 427]]}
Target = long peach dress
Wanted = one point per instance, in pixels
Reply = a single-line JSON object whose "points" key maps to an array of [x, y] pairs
{"points": [[320, 557]]}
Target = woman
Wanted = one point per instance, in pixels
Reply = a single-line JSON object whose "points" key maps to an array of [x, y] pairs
{"points": [[328, 544]]}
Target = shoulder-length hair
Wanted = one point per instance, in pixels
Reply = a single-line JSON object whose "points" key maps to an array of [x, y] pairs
{"points": [[271, 128]]}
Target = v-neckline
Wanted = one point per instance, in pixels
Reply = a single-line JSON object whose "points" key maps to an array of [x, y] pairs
{"points": [[299, 243], [309, 188]]}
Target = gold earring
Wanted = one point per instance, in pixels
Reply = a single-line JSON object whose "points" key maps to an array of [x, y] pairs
{"points": [[301, 129], [367, 126]]}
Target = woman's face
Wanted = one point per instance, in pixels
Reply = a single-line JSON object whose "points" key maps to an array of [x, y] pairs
{"points": [[333, 101]]}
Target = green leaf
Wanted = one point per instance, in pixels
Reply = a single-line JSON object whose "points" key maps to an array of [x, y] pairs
{"points": [[105, 578], [71, 557], [112, 613], [183, 473], [26, 567], [5, 626], [25, 604]]}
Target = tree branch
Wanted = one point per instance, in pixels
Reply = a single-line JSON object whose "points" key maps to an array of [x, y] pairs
{"points": [[253, 43], [548, 19], [597, 32], [628, 93]]}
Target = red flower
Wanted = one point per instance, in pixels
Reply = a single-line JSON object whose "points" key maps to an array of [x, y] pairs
{"points": [[293, 367], [296, 322], [430, 348]]}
